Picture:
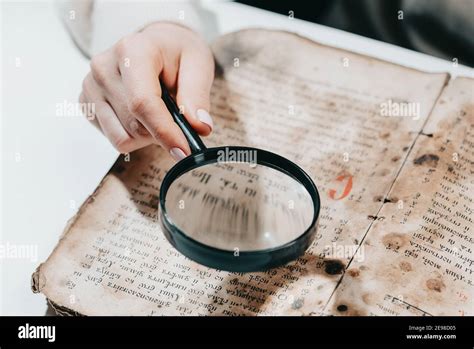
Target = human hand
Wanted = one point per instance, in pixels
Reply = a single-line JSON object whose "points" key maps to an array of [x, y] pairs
{"points": [[124, 85]]}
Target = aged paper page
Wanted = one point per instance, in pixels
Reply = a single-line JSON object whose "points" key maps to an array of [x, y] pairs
{"points": [[318, 106], [419, 253]]}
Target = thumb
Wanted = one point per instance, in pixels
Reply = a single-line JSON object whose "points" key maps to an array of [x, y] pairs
{"points": [[195, 77]]}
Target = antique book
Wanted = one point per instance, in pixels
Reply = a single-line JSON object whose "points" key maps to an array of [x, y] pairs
{"points": [[390, 148]]}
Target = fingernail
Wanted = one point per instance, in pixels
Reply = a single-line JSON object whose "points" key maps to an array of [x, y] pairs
{"points": [[177, 154], [204, 117]]}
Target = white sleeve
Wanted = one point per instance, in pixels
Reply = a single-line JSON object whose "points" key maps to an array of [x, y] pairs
{"points": [[98, 24], [76, 16]]}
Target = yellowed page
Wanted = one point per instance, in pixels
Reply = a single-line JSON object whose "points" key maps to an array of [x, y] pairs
{"points": [[321, 107], [419, 253]]}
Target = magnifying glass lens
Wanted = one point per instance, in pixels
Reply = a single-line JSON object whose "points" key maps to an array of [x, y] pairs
{"points": [[239, 206], [235, 215]]}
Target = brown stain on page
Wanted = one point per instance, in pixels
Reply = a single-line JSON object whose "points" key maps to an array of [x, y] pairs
{"points": [[435, 285], [333, 267], [430, 160], [355, 272], [394, 241], [405, 266], [347, 309]]}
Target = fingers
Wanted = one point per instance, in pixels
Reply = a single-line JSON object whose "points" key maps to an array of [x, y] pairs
{"points": [[124, 84], [118, 100], [113, 129], [140, 79], [106, 75], [106, 119], [196, 74], [93, 119]]}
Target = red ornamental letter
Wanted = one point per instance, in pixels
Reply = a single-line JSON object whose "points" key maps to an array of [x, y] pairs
{"points": [[347, 188]]}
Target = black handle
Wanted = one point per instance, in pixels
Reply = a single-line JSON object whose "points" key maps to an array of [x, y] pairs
{"points": [[195, 142]]}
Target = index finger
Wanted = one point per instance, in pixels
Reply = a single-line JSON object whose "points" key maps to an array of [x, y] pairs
{"points": [[140, 77]]}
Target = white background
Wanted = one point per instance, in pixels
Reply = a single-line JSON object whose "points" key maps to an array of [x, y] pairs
{"points": [[50, 164]]}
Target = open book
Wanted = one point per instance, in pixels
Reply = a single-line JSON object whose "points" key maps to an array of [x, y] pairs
{"points": [[391, 150]]}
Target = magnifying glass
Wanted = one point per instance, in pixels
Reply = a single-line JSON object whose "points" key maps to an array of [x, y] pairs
{"points": [[236, 208]]}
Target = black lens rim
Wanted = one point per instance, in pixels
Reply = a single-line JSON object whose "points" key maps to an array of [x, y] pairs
{"points": [[245, 261]]}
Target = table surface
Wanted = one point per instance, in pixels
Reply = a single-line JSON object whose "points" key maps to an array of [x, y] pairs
{"points": [[50, 164]]}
